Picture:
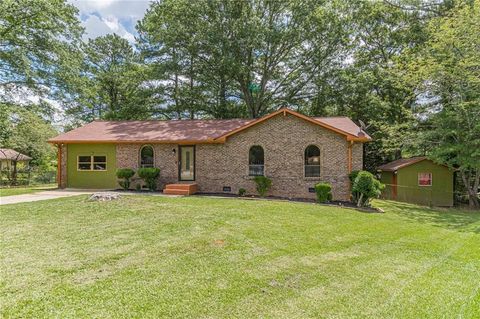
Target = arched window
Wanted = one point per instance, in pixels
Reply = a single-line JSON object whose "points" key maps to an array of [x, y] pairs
{"points": [[147, 157], [312, 161], [256, 162]]}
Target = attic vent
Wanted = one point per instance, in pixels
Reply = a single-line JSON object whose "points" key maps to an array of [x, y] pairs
{"points": [[227, 189]]}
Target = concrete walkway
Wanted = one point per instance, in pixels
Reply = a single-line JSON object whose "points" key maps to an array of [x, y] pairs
{"points": [[59, 193], [42, 195]]}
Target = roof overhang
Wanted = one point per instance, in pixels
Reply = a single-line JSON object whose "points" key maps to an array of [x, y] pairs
{"points": [[182, 142]]}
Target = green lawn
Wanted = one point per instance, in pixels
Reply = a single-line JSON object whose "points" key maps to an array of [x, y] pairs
{"points": [[25, 190], [150, 257]]}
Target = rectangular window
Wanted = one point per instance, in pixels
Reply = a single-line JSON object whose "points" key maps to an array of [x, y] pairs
{"points": [[92, 163], [424, 179]]}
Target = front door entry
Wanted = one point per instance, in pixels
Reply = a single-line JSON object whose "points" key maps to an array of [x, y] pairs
{"points": [[186, 163]]}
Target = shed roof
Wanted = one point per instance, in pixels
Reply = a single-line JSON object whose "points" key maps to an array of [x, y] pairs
{"points": [[9, 154], [189, 131], [400, 163]]}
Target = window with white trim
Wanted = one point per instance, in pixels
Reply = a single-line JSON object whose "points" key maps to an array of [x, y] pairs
{"points": [[424, 179], [92, 163]]}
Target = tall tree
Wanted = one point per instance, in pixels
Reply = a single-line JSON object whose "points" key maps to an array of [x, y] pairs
{"points": [[26, 130], [37, 41], [447, 71], [111, 84], [263, 53], [369, 85]]}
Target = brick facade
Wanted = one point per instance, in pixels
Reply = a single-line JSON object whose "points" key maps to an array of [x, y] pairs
{"points": [[283, 138]]}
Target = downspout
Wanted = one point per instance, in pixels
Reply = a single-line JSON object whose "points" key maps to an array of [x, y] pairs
{"points": [[349, 157], [349, 166]]}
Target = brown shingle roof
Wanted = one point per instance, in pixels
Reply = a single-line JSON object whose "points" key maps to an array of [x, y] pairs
{"points": [[9, 154], [150, 131], [191, 131], [395, 165], [343, 123]]}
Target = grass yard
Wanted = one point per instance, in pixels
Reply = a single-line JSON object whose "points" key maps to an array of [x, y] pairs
{"points": [[150, 257], [25, 190]]}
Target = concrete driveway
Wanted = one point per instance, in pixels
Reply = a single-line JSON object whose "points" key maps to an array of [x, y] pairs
{"points": [[42, 195]]}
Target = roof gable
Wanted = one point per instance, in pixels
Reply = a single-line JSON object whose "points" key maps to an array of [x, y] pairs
{"points": [[340, 125]]}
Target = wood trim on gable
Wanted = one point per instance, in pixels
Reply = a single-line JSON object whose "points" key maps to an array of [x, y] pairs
{"points": [[286, 111]]}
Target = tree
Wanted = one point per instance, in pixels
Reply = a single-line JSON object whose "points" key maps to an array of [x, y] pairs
{"points": [[447, 71], [37, 42], [262, 53], [111, 85], [27, 131]]}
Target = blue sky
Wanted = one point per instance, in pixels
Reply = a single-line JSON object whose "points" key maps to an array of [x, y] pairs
{"points": [[100, 17]]}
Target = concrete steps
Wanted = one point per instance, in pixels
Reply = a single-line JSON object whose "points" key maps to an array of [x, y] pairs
{"points": [[180, 189]]}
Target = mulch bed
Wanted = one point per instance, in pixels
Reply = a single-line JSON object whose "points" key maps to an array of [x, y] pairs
{"points": [[335, 203]]}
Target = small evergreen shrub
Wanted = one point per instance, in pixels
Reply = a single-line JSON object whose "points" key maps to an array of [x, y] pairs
{"points": [[149, 176], [263, 185], [367, 187], [324, 192], [242, 192], [124, 174]]}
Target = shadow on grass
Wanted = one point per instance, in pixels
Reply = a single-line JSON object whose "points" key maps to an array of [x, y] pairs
{"points": [[450, 218]]}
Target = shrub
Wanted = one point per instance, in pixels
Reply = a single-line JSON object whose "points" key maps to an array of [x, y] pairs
{"points": [[367, 187], [263, 185], [242, 192], [125, 174], [149, 176], [352, 176], [324, 192]]}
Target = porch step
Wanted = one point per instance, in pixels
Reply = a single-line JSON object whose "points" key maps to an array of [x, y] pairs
{"points": [[180, 189]]}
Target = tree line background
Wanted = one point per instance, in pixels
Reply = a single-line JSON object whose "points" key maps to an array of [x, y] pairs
{"points": [[409, 69]]}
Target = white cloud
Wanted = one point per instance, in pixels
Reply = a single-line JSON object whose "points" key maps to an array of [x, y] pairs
{"points": [[101, 17], [95, 27]]}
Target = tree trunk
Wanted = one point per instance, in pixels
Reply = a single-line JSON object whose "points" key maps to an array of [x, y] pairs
{"points": [[359, 203], [14, 173], [472, 189]]}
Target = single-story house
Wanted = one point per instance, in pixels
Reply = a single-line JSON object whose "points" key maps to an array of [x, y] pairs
{"points": [[218, 156], [417, 180], [9, 157]]}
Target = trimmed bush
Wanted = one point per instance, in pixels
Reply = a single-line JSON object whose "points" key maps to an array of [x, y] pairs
{"points": [[367, 187], [352, 176], [125, 174], [263, 185], [242, 192], [149, 176], [324, 192]]}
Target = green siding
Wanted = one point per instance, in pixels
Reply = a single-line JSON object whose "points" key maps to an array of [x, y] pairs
{"points": [[91, 179], [439, 194], [387, 179]]}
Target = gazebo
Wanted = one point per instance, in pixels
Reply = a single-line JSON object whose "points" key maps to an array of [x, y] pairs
{"points": [[10, 158]]}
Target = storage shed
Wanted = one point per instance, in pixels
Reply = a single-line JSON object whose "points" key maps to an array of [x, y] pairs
{"points": [[417, 180]]}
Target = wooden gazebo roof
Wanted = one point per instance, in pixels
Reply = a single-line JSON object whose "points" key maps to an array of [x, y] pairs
{"points": [[9, 154]]}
